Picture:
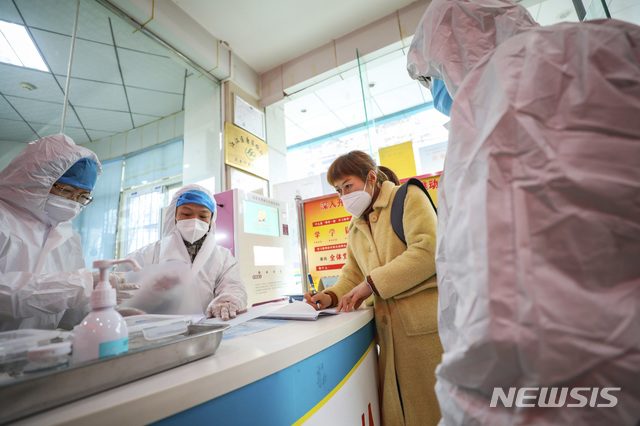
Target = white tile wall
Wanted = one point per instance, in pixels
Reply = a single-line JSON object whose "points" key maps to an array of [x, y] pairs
{"points": [[150, 134], [143, 137], [118, 145], [134, 140], [179, 124], [167, 128]]}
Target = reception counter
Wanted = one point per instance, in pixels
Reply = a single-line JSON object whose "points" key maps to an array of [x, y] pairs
{"points": [[298, 372]]}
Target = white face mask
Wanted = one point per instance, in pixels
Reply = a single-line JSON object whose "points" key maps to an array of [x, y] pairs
{"points": [[356, 202], [60, 209], [192, 229]]}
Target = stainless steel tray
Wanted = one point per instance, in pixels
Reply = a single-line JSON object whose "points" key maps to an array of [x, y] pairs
{"points": [[28, 395]]}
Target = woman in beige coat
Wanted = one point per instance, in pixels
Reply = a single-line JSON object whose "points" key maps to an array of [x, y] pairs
{"points": [[402, 279]]}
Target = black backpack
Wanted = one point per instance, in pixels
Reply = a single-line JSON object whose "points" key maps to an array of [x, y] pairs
{"points": [[397, 208]]}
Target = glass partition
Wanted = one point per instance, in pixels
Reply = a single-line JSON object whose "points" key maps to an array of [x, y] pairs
{"points": [[595, 9], [127, 93]]}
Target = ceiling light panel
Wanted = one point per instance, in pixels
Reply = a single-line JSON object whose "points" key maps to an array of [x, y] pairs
{"points": [[17, 48], [54, 48], [7, 52]]}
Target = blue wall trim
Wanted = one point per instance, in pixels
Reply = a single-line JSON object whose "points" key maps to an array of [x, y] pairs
{"points": [[283, 397]]}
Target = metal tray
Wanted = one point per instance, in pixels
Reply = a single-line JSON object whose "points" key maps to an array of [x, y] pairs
{"points": [[31, 394]]}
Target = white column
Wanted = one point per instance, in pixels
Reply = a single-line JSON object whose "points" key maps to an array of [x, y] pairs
{"points": [[203, 161]]}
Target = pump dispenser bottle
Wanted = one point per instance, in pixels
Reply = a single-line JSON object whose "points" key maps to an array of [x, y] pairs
{"points": [[103, 332]]}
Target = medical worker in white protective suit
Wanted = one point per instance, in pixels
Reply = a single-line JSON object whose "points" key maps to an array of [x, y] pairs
{"points": [[538, 251], [189, 239], [43, 279]]}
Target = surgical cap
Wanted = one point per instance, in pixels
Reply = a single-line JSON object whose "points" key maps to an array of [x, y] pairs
{"points": [[197, 197], [83, 174]]}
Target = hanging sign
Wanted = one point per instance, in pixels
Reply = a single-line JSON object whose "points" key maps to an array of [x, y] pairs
{"points": [[399, 158], [246, 151], [430, 182]]}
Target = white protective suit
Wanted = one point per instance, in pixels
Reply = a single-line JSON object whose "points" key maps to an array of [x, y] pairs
{"points": [[216, 271], [43, 273], [538, 252]]}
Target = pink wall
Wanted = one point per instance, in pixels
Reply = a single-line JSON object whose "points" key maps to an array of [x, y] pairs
{"points": [[393, 28]]}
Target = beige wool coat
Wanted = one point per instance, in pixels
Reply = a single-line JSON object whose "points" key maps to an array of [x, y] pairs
{"points": [[406, 310]]}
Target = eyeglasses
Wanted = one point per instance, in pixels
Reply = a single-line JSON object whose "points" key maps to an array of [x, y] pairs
{"points": [[425, 81], [72, 194]]}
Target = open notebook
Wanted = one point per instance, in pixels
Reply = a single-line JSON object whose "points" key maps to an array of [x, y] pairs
{"points": [[299, 311]]}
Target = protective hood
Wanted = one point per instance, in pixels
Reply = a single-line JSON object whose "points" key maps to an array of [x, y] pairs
{"points": [[454, 35], [170, 215], [28, 178], [539, 227]]}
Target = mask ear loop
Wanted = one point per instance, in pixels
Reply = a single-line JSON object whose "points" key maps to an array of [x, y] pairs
{"points": [[373, 181]]}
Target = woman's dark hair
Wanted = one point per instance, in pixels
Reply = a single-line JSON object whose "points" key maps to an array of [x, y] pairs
{"points": [[354, 163], [390, 174]]}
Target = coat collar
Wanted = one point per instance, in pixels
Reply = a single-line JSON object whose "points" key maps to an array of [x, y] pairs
{"points": [[386, 190]]}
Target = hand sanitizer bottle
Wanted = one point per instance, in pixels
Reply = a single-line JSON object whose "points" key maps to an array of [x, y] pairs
{"points": [[103, 332]]}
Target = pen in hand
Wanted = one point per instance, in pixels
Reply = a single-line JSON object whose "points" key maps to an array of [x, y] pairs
{"points": [[313, 289]]}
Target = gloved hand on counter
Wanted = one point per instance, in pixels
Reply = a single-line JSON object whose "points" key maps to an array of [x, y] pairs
{"points": [[224, 308], [119, 283]]}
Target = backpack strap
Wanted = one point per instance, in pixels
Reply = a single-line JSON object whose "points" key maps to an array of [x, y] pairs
{"points": [[397, 208]]}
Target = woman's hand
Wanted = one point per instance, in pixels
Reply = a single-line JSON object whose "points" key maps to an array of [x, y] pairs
{"points": [[354, 298], [323, 298]]}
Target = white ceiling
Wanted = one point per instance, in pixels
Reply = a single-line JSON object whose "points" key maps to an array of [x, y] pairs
{"points": [[337, 104], [342, 101], [266, 34], [120, 79]]}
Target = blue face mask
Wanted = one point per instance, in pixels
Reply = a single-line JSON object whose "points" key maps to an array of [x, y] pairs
{"points": [[441, 99]]}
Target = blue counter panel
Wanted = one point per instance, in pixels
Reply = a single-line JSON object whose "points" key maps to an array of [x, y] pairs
{"points": [[286, 396]]}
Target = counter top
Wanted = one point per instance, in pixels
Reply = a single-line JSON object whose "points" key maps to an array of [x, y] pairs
{"points": [[237, 363]]}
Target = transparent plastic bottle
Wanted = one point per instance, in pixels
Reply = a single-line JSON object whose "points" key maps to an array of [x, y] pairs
{"points": [[103, 332]]}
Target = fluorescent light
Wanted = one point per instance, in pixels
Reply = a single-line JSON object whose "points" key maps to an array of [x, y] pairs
{"points": [[17, 48]]}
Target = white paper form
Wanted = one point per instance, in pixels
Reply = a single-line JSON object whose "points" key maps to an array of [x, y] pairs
{"points": [[253, 312]]}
